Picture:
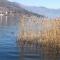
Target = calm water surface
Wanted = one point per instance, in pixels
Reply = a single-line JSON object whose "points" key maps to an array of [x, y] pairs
{"points": [[8, 45]]}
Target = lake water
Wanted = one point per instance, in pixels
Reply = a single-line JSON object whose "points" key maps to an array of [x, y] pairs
{"points": [[9, 49], [8, 45]]}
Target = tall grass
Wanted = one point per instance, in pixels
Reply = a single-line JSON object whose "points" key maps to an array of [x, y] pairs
{"points": [[48, 37]]}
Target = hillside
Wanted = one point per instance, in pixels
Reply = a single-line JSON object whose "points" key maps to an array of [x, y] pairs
{"points": [[16, 8], [51, 13]]}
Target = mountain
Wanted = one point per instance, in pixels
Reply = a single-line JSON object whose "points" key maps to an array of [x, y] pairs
{"points": [[10, 13], [30, 10], [16, 8], [51, 13]]}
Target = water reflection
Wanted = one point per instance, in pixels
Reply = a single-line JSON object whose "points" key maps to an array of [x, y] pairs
{"points": [[8, 20]]}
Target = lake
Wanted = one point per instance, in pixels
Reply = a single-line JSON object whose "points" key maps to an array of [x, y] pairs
{"points": [[8, 45], [9, 49]]}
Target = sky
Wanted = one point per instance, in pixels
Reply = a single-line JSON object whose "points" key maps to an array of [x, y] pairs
{"points": [[54, 4]]}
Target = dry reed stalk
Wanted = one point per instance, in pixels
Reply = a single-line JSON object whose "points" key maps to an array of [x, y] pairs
{"points": [[49, 38]]}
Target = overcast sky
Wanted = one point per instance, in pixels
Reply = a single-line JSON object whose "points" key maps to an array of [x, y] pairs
{"points": [[45, 3]]}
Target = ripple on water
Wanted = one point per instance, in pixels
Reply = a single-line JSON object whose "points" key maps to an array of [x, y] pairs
{"points": [[8, 46]]}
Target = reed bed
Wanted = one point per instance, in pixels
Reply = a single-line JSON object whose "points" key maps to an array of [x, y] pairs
{"points": [[45, 41]]}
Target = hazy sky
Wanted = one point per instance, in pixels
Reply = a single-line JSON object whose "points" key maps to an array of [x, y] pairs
{"points": [[45, 3]]}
